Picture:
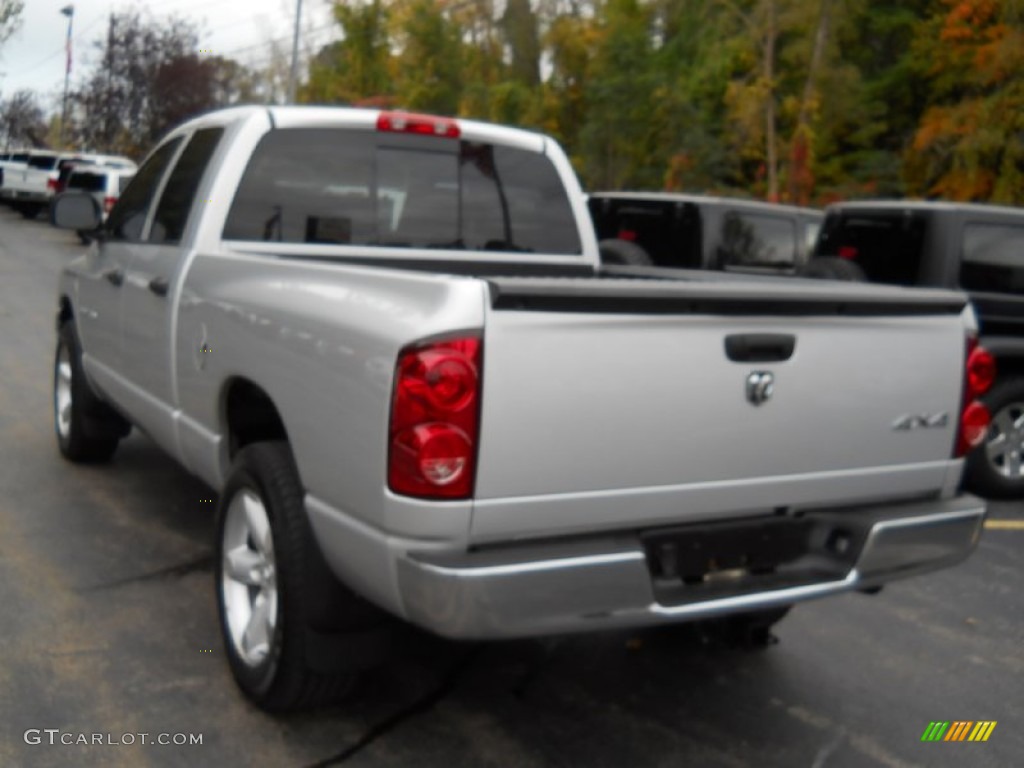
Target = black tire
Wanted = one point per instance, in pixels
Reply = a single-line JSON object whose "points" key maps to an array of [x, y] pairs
{"points": [[87, 429], [623, 252], [833, 268], [990, 469], [313, 615]]}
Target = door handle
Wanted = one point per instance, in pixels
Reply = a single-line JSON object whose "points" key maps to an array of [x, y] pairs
{"points": [[159, 285], [759, 347], [114, 277]]}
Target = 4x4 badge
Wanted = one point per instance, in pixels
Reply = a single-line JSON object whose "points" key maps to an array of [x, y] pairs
{"points": [[760, 386]]}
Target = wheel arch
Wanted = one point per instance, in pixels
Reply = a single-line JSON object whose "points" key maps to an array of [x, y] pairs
{"points": [[249, 415]]}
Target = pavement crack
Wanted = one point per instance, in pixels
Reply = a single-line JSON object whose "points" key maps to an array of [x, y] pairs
{"points": [[418, 707], [204, 563]]}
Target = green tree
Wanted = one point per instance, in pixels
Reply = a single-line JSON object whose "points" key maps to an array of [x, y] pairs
{"points": [[357, 68], [616, 137], [427, 71]]}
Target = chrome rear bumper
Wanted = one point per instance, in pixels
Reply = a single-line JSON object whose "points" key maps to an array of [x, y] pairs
{"points": [[545, 588]]}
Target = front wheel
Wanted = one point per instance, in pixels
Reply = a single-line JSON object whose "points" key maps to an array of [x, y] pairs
{"points": [[87, 429], [276, 598], [995, 469]]}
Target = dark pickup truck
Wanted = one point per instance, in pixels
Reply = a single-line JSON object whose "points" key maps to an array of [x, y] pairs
{"points": [[702, 232], [978, 248]]}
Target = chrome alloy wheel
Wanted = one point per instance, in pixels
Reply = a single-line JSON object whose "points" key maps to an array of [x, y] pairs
{"points": [[62, 392], [249, 577], [1004, 444]]}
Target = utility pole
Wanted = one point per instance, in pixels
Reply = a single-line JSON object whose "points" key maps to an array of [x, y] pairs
{"points": [[293, 76], [69, 11]]}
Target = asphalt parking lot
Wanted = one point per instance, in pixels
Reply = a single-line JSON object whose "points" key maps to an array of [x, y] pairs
{"points": [[108, 629]]}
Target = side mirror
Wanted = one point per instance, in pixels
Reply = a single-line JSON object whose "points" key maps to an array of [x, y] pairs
{"points": [[76, 210]]}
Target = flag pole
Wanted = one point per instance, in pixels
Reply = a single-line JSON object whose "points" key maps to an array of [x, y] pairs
{"points": [[69, 11]]}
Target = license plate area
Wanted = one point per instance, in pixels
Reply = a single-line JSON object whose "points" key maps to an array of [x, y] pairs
{"points": [[693, 553], [732, 557]]}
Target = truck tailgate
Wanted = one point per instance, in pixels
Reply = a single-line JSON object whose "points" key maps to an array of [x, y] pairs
{"points": [[614, 403]]}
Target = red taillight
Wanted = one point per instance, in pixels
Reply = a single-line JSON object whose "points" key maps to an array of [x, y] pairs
{"points": [[435, 418], [981, 371], [847, 252], [979, 375], [974, 423], [108, 204], [51, 185], [424, 125]]}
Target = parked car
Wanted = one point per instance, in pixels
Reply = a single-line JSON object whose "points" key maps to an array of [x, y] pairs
{"points": [[387, 340], [30, 188], [700, 232], [10, 163], [65, 166], [977, 248]]}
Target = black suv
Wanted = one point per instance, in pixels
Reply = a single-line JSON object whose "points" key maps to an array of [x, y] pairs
{"points": [[700, 232], [978, 248]]}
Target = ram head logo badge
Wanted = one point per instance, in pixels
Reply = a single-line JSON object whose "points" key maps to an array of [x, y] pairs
{"points": [[760, 386]]}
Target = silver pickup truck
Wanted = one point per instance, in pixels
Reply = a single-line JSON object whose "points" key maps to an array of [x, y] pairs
{"points": [[387, 341]]}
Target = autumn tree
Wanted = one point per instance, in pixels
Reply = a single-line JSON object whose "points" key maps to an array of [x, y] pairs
{"points": [[969, 144]]}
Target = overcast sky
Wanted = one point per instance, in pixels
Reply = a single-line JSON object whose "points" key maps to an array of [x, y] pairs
{"points": [[239, 29]]}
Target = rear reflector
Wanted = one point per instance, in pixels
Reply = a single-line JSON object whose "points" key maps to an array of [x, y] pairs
{"points": [[424, 125], [847, 252], [974, 425], [435, 418]]}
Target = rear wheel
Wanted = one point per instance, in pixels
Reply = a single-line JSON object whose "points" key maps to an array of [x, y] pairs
{"points": [[87, 429], [276, 597], [995, 468], [31, 210]]}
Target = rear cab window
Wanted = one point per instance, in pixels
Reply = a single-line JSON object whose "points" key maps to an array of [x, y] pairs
{"points": [[756, 240], [993, 258], [346, 186], [43, 162], [888, 246], [87, 181], [668, 230]]}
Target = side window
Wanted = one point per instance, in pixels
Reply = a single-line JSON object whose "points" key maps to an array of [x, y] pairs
{"points": [[129, 215], [888, 246], [753, 240], [180, 190], [307, 186], [993, 258]]}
